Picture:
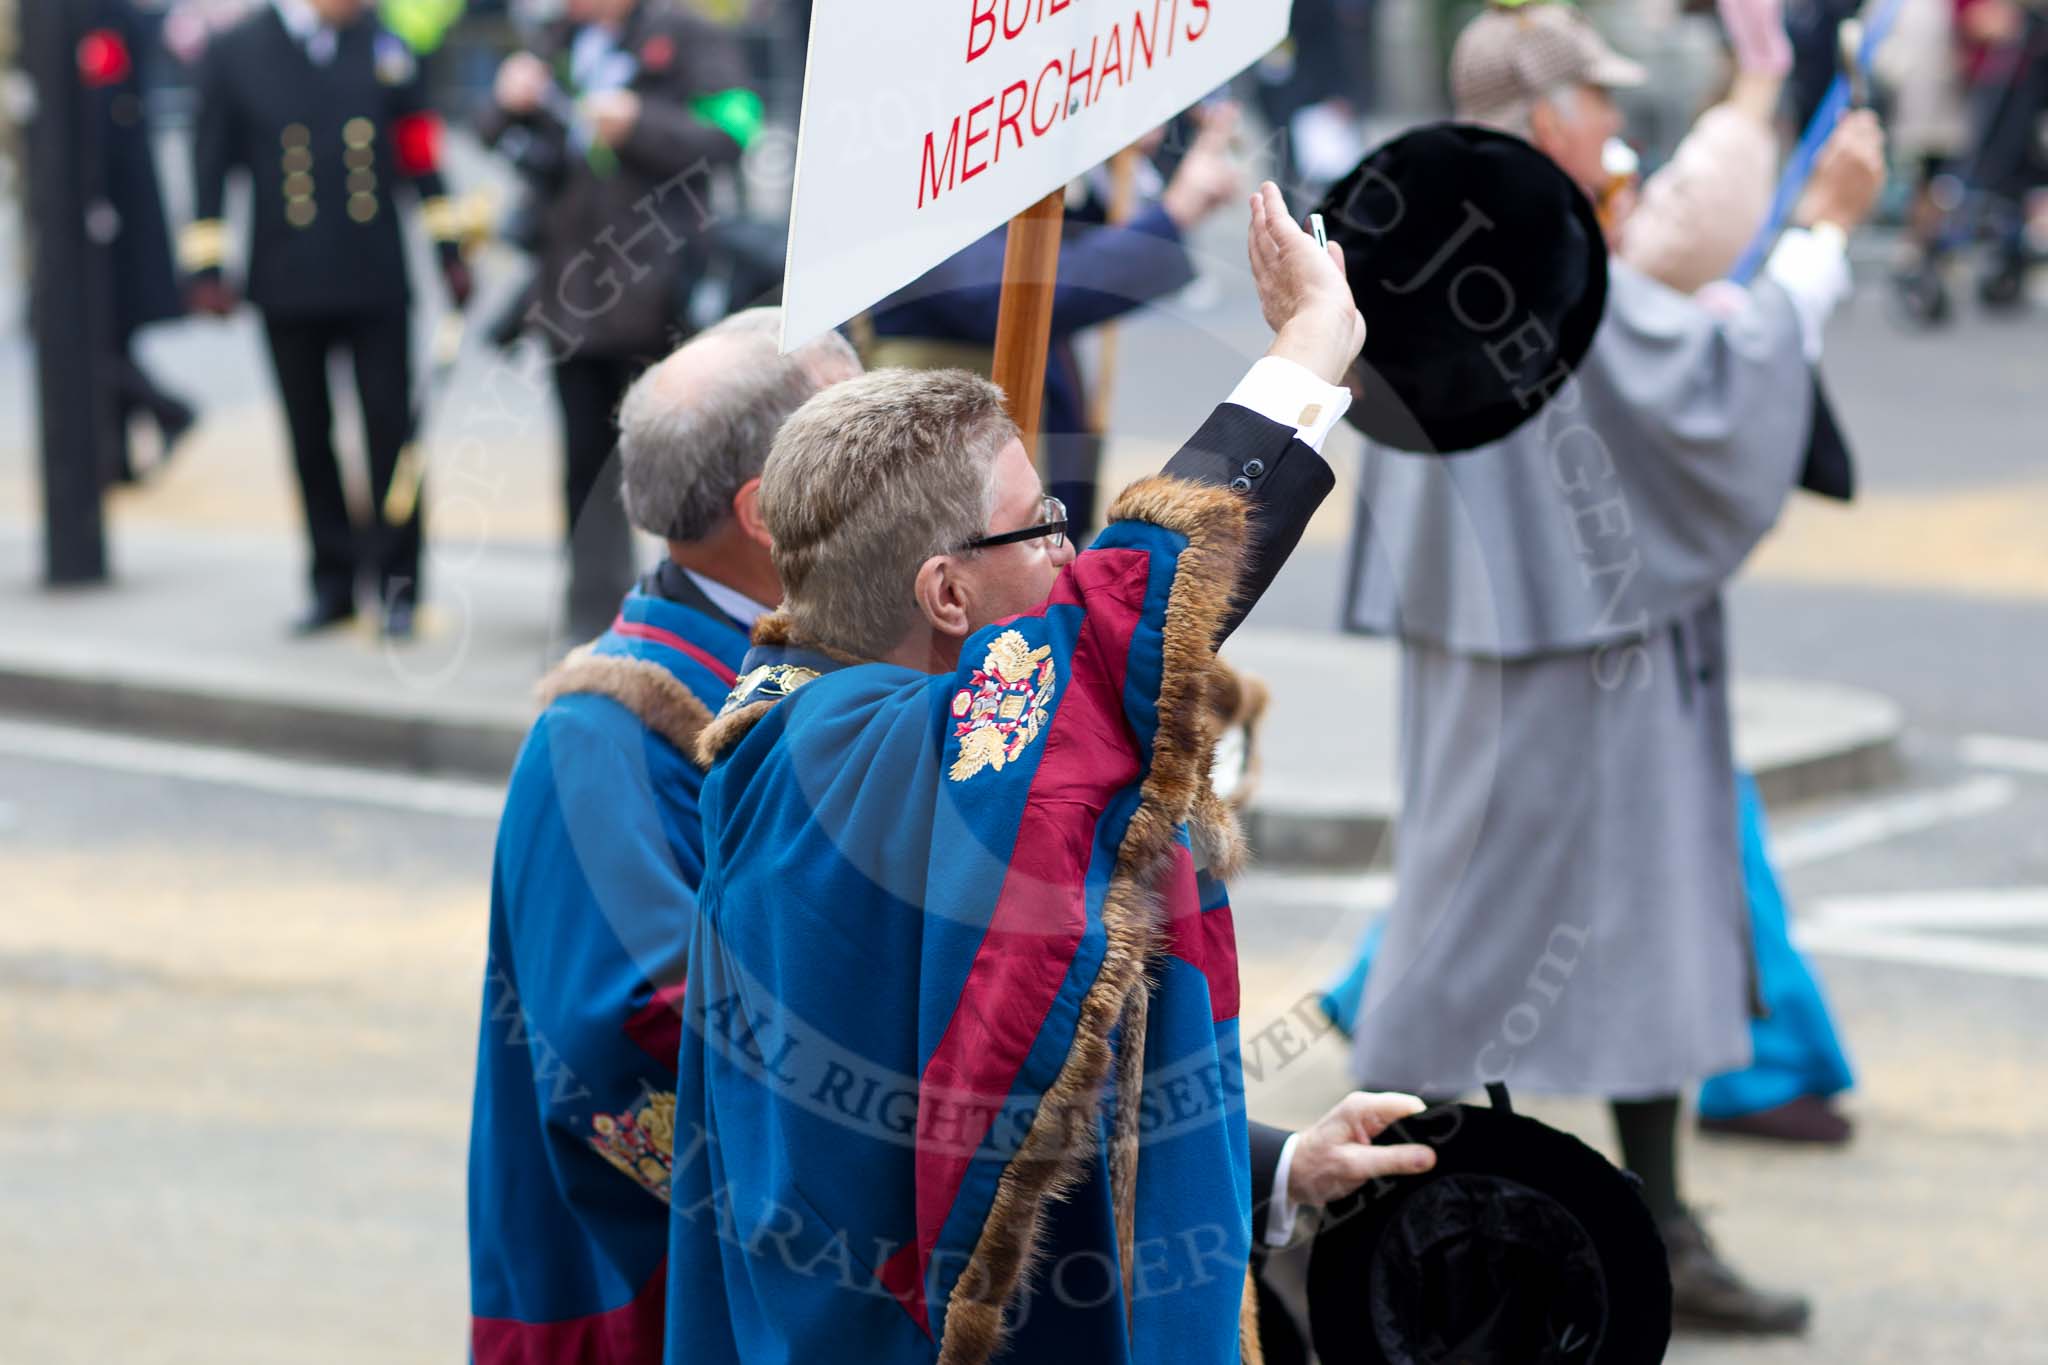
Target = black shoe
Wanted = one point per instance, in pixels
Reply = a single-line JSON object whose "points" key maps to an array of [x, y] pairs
{"points": [[324, 614], [398, 620], [174, 424], [2003, 288], [1707, 1295], [1920, 295]]}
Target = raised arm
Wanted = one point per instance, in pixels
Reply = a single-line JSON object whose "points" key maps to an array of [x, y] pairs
{"points": [[1265, 442]]}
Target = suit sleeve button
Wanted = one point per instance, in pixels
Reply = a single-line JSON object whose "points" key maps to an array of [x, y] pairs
{"points": [[1254, 468], [1240, 484]]}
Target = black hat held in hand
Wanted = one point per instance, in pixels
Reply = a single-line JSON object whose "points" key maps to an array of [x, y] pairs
{"points": [[1522, 1246], [1482, 274]]}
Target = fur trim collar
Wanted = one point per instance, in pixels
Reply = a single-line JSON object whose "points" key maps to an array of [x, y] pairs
{"points": [[652, 693]]}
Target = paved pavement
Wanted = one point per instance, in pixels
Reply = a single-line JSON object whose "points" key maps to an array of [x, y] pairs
{"points": [[188, 646], [238, 1004]]}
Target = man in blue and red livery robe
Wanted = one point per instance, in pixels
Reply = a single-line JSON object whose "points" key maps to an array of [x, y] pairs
{"points": [[959, 1073], [599, 856]]}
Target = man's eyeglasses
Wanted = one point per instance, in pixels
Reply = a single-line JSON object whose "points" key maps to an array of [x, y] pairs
{"points": [[1054, 527]]}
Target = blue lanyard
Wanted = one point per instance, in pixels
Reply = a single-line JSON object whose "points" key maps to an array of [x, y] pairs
{"points": [[1799, 169]]}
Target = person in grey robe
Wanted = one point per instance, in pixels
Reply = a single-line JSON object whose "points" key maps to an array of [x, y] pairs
{"points": [[1570, 915]]}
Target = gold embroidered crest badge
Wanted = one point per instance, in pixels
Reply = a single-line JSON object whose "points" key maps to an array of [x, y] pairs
{"points": [[641, 1142], [1003, 707]]}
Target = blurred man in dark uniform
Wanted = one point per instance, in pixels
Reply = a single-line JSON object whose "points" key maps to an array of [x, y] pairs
{"points": [[617, 118], [325, 111], [127, 206]]}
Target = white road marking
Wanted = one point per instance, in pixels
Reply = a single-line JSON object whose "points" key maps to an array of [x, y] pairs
{"points": [[254, 772], [1926, 950], [1918, 928], [1876, 821], [2005, 907], [2010, 752]]}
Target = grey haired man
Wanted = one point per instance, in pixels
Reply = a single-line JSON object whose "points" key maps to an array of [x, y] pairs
{"points": [[594, 885]]}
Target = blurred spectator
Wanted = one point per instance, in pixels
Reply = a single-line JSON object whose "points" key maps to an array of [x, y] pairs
{"points": [[2005, 61], [616, 118], [1815, 27], [128, 203], [324, 109], [947, 319], [1920, 69], [1311, 95]]}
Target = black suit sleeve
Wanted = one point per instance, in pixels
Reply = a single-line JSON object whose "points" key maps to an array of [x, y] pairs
{"points": [[216, 148], [1267, 1142], [1284, 480]]}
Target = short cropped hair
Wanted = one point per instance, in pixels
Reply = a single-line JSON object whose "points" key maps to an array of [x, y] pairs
{"points": [[682, 462], [870, 479]]}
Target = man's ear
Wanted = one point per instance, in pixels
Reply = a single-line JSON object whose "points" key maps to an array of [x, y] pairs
{"points": [[746, 510], [942, 599]]}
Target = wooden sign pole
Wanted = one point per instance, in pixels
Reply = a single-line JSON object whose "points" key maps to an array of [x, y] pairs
{"points": [[1031, 264]]}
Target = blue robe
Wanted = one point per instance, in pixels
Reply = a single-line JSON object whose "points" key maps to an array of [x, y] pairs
{"points": [[915, 1118], [593, 895], [1796, 1050]]}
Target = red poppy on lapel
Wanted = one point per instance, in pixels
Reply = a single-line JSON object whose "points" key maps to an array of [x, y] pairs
{"points": [[103, 59]]}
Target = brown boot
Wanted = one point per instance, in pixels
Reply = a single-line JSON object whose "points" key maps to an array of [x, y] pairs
{"points": [[1707, 1295]]}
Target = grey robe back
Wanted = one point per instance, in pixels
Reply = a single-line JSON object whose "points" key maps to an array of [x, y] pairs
{"points": [[1569, 913], [1630, 499]]}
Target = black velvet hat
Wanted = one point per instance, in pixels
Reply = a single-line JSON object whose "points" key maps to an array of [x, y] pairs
{"points": [[1523, 1246], [1481, 270]]}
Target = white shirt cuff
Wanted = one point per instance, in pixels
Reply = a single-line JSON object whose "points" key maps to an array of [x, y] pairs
{"points": [[1284, 392], [1280, 1210], [1812, 265]]}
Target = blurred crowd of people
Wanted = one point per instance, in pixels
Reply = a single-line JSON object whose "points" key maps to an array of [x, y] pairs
{"points": [[593, 124]]}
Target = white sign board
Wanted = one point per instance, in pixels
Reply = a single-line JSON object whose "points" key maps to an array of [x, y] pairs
{"points": [[928, 122]]}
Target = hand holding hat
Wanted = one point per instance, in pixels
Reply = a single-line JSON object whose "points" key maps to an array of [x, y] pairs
{"points": [[1520, 1245], [1335, 1155]]}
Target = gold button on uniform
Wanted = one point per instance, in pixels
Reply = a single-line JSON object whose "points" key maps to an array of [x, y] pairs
{"points": [[358, 158], [362, 207], [297, 159], [296, 135], [362, 182], [358, 132], [300, 213], [298, 185]]}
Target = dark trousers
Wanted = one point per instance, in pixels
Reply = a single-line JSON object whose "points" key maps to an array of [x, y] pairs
{"points": [[380, 347], [589, 389]]}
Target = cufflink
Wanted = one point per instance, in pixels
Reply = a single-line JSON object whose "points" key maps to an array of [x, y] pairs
{"points": [[1309, 415]]}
